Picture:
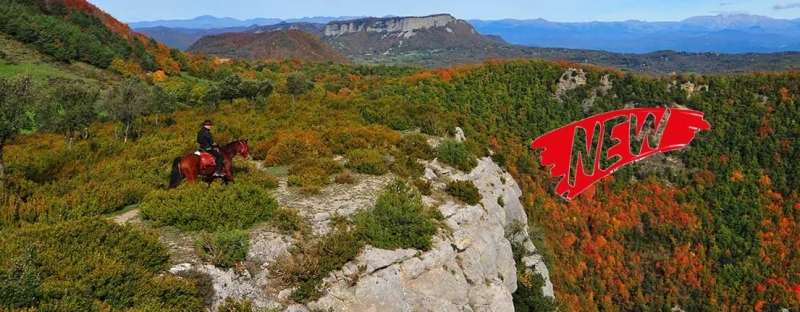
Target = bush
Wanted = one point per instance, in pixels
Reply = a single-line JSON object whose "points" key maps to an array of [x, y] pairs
{"points": [[309, 177], [416, 145], [296, 145], [201, 207], [367, 162], [423, 186], [308, 262], [84, 264], [466, 191], [223, 248], [329, 166], [453, 153], [398, 220], [345, 139], [406, 166], [289, 221]]}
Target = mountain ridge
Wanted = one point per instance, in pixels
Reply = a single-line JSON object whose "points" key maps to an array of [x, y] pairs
{"points": [[760, 34]]}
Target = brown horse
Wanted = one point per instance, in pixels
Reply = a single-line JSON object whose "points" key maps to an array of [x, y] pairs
{"points": [[202, 163]]}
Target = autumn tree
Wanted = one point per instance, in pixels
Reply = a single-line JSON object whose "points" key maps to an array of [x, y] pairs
{"points": [[128, 101], [297, 84], [16, 99], [69, 106]]}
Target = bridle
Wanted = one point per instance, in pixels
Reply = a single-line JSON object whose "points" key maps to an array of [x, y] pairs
{"points": [[243, 151]]}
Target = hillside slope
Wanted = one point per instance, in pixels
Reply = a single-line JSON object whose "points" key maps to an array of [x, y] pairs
{"points": [[182, 38], [272, 45]]}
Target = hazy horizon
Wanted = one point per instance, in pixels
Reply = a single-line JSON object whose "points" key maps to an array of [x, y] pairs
{"points": [[551, 10]]}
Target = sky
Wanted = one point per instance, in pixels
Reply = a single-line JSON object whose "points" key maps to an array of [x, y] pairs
{"points": [[552, 10]]}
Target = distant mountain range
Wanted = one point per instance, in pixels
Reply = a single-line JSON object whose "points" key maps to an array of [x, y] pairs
{"points": [[738, 33]]}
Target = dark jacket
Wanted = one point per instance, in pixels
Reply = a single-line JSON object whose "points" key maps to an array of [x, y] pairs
{"points": [[204, 138]]}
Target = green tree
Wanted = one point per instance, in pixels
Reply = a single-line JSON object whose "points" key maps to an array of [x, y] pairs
{"points": [[70, 106], [16, 99], [230, 87], [256, 91], [297, 84], [128, 101], [162, 102]]}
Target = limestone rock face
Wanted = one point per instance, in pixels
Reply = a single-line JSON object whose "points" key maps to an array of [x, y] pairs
{"points": [[405, 25], [470, 266]]}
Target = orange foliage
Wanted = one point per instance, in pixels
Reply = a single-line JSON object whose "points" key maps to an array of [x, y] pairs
{"points": [[159, 76], [784, 94], [764, 180], [737, 176]]}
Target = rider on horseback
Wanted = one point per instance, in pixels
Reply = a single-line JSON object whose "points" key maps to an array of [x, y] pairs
{"points": [[208, 145]]}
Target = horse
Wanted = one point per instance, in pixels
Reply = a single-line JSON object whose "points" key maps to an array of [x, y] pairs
{"points": [[203, 163]]}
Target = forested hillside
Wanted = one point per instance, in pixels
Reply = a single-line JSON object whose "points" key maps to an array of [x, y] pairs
{"points": [[716, 233], [713, 227], [75, 30]]}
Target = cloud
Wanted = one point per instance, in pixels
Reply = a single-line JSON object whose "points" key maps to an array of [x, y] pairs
{"points": [[786, 6], [725, 3]]}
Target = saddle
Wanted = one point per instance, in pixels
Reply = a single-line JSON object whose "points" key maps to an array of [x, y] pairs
{"points": [[206, 158]]}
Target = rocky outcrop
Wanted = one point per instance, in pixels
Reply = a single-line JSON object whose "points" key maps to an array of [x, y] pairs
{"points": [[470, 266], [371, 36], [406, 26]]}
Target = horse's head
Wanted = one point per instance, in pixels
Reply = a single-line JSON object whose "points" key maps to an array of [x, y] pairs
{"points": [[243, 149]]}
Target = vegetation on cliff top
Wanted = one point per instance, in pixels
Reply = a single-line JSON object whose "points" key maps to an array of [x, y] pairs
{"points": [[720, 234]]}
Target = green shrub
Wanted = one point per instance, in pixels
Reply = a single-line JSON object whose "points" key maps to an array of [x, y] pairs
{"points": [[329, 166], [406, 166], [234, 305], [453, 153], [308, 262], [289, 221], [309, 177], [201, 207], [529, 295], [416, 145], [84, 264], [398, 220], [466, 191], [223, 248], [202, 281], [366, 161]]}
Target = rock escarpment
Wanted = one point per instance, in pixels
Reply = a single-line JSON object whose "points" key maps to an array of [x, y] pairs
{"points": [[470, 266], [401, 34]]}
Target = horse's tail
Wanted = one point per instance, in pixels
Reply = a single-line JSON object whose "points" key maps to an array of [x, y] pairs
{"points": [[177, 175]]}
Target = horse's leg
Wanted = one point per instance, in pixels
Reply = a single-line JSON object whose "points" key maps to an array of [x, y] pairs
{"points": [[228, 175], [191, 175]]}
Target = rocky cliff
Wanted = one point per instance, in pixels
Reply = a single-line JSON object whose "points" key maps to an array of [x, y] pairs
{"points": [[469, 268], [399, 34]]}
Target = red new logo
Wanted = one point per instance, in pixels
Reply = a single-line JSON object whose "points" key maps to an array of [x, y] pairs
{"points": [[669, 130]]}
